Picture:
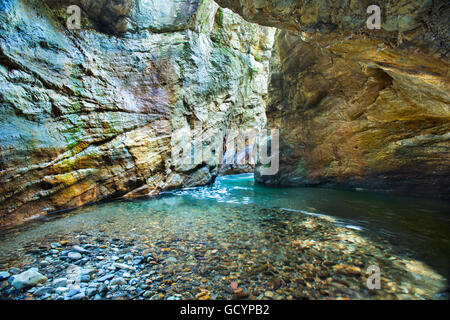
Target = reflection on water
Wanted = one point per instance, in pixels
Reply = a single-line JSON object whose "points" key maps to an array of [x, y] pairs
{"points": [[423, 225]]}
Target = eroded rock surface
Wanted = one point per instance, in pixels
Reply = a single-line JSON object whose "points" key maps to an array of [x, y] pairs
{"points": [[359, 108], [88, 114]]}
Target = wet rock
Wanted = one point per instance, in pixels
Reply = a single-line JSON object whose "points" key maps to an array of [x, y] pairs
{"points": [[85, 278], [27, 279], [43, 291], [61, 290], [74, 255], [73, 292], [79, 296], [118, 282], [124, 266], [276, 284], [4, 275], [240, 295], [171, 260], [79, 249]]}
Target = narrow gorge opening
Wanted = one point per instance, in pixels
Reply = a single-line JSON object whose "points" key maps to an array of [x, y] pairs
{"points": [[194, 150]]}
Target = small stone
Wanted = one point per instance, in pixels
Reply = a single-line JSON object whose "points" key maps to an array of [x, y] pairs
{"points": [[72, 292], [238, 290], [204, 295], [61, 290], [78, 296], [106, 277], [90, 292], [60, 282], [43, 291], [79, 249], [74, 255], [88, 271], [4, 275], [85, 278], [234, 285], [103, 289], [240, 295], [14, 270], [268, 294], [171, 260], [118, 282], [298, 295], [158, 296], [124, 266], [276, 283]]}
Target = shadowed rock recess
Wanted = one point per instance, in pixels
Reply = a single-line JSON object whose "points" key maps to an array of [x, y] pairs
{"points": [[359, 108], [88, 114]]}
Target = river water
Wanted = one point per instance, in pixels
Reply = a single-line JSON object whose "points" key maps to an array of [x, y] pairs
{"points": [[275, 243]]}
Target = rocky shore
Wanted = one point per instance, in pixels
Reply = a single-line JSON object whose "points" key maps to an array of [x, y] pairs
{"points": [[303, 257]]}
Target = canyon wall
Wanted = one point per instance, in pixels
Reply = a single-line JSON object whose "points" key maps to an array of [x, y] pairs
{"points": [[89, 114], [359, 108]]}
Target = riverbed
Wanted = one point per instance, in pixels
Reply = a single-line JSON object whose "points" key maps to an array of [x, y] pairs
{"points": [[236, 239]]}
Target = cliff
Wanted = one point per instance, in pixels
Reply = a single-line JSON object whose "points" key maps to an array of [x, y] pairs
{"points": [[359, 108], [90, 114]]}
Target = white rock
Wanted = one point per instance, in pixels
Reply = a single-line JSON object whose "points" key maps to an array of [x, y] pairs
{"points": [[74, 255], [29, 278], [60, 282], [78, 249], [124, 266]]}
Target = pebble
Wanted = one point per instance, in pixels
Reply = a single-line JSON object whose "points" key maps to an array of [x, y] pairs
{"points": [[124, 266], [55, 245], [43, 291], [240, 296], [118, 282], [171, 260], [74, 255], [79, 249], [105, 278], [309, 264], [61, 290], [72, 293], [85, 278], [90, 292], [158, 296], [4, 275], [78, 296]]}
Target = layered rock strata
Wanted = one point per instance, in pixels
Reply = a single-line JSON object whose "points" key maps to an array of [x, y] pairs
{"points": [[359, 108], [90, 114]]}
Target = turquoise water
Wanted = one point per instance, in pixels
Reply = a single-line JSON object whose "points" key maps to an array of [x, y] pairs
{"points": [[264, 226]]}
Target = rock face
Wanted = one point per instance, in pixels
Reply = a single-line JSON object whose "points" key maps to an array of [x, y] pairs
{"points": [[90, 114], [359, 108]]}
